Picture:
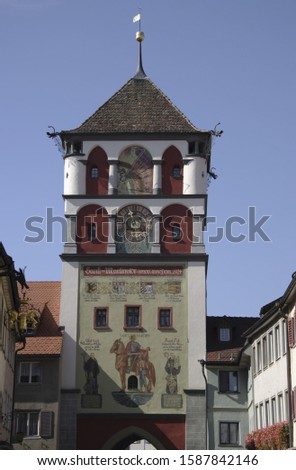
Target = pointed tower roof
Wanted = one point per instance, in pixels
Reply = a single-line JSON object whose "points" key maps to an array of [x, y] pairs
{"points": [[138, 107]]}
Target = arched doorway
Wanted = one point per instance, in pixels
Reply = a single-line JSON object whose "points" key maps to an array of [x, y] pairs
{"points": [[126, 438]]}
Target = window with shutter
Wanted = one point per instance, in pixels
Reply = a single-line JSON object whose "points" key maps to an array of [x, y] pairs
{"points": [[291, 332], [46, 424]]}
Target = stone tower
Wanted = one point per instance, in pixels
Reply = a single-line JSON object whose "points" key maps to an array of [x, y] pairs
{"points": [[134, 274]]}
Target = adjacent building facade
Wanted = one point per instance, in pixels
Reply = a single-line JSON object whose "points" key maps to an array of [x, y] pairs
{"points": [[227, 366], [37, 376], [9, 305], [271, 343]]}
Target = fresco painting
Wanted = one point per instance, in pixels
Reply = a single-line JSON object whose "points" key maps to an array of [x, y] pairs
{"points": [[138, 368]]}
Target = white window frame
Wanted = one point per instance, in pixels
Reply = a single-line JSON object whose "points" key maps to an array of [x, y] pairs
{"points": [[30, 375], [277, 342]]}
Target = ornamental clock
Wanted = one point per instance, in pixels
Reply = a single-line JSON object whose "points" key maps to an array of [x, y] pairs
{"points": [[133, 229]]}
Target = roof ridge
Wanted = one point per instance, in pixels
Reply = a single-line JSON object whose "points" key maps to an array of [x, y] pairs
{"points": [[173, 104]]}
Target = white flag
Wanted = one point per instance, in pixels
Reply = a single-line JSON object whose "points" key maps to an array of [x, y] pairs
{"points": [[136, 18]]}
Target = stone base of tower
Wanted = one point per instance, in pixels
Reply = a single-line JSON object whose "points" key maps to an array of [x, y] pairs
{"points": [[68, 421], [118, 432], [196, 429]]}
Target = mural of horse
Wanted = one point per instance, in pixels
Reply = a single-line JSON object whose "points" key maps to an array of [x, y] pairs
{"points": [[142, 367]]}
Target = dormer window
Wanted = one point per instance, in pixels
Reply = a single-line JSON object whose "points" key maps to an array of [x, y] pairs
{"points": [[224, 334], [94, 172]]}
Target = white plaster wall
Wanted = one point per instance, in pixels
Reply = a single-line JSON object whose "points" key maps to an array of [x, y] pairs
{"points": [[195, 176], [271, 381], [74, 175], [68, 319], [156, 205], [196, 323]]}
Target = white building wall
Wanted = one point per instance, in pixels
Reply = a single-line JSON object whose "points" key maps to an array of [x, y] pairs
{"points": [[69, 319], [270, 377], [196, 324]]}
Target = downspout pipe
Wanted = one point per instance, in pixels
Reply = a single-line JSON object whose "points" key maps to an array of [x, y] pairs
{"points": [[14, 382], [289, 377], [203, 364]]}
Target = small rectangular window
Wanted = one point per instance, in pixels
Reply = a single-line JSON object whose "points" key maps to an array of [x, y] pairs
{"points": [[270, 347], [91, 232], [191, 148], [29, 372], [259, 358], [284, 337], [229, 433], [176, 232], [277, 342], [27, 423], [264, 351], [254, 360], [224, 334], [273, 411], [261, 417], [77, 147], [101, 317], [132, 316], [267, 413], [165, 317], [228, 381], [280, 407]]}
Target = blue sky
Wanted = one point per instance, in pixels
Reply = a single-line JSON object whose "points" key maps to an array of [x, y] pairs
{"points": [[227, 61]]}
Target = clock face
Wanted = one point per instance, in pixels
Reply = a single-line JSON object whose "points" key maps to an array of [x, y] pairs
{"points": [[134, 224], [135, 171]]}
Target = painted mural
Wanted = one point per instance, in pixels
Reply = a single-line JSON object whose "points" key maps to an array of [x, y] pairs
{"points": [[135, 171], [136, 371], [132, 338]]}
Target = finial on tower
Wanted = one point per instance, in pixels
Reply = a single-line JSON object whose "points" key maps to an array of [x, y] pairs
{"points": [[140, 38]]}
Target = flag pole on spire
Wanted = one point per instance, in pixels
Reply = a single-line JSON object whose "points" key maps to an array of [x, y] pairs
{"points": [[139, 37]]}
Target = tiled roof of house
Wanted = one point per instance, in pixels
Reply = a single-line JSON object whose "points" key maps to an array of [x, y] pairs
{"points": [[138, 107], [45, 296], [226, 351]]}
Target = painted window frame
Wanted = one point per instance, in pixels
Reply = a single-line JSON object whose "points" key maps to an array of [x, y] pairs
{"points": [[170, 316], [106, 325], [132, 327]]}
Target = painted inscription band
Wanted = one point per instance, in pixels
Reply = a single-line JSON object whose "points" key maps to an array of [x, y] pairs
{"points": [[135, 271]]}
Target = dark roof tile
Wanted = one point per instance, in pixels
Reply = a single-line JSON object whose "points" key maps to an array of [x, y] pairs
{"points": [[138, 107]]}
